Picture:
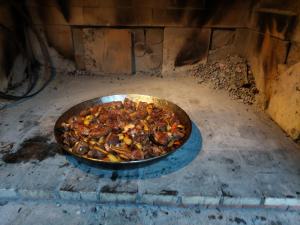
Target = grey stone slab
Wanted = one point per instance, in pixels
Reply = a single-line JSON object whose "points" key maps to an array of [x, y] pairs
{"points": [[277, 184], [295, 202], [48, 213], [118, 197], [209, 174], [89, 196], [152, 199], [241, 201], [118, 186], [69, 195], [8, 193], [14, 214], [79, 184], [42, 177], [37, 193], [200, 200], [13, 175], [259, 158]]}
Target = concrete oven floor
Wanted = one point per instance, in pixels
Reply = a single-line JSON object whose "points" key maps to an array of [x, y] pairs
{"points": [[235, 157]]}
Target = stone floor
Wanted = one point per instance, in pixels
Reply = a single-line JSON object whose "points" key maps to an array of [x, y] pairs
{"points": [[57, 213], [236, 157]]}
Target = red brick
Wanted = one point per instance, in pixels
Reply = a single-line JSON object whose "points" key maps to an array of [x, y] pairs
{"points": [[174, 17], [5, 16], [151, 3], [78, 48], [148, 47], [277, 23], [60, 37], [77, 35], [44, 2], [107, 50], [51, 15], [154, 36], [117, 16], [99, 16], [221, 38], [231, 18], [169, 3], [294, 54]]}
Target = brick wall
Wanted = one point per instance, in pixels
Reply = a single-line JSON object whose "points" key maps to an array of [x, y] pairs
{"points": [[58, 20], [217, 13], [271, 44]]}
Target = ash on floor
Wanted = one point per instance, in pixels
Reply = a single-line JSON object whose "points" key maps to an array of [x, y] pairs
{"points": [[231, 73]]}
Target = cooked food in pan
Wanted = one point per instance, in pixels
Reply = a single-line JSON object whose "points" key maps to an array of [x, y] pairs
{"points": [[123, 131]]}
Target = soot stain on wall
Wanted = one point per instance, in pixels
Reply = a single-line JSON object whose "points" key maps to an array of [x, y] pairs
{"points": [[284, 24], [193, 50], [216, 10]]}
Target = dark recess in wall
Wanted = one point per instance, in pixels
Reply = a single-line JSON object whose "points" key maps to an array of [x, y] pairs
{"points": [[64, 6], [14, 39], [193, 50]]}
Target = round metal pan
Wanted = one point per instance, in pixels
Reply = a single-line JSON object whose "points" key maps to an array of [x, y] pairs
{"points": [[75, 110]]}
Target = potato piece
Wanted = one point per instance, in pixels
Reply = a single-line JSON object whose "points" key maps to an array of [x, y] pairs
{"points": [[101, 140], [146, 127], [121, 137], [169, 127], [128, 126], [113, 158], [92, 142], [139, 146], [87, 120], [100, 149], [127, 140], [171, 143]]}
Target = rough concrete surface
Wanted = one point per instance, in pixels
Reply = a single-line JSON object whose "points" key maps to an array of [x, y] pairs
{"points": [[47, 213], [235, 157]]}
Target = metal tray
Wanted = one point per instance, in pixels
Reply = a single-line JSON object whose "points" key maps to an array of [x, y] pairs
{"points": [[75, 110]]}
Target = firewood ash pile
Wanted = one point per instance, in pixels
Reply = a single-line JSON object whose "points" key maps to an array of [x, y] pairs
{"points": [[231, 73]]}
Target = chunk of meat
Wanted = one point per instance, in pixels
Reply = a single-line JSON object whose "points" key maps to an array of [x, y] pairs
{"points": [[142, 106], [161, 137], [178, 134], [112, 139], [99, 132], [128, 104], [95, 154], [103, 116], [117, 104], [141, 114], [84, 112], [80, 148], [69, 138], [137, 154], [157, 151], [160, 125], [84, 131]]}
